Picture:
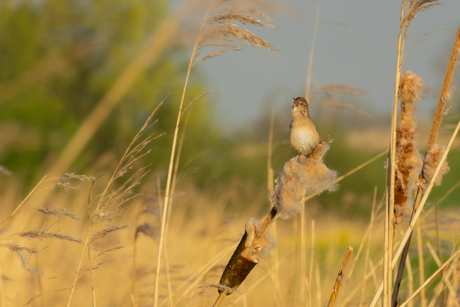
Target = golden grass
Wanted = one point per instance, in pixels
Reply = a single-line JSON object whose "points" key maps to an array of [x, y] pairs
{"points": [[44, 263]]}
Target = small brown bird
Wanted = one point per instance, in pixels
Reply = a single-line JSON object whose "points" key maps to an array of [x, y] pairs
{"points": [[303, 136]]}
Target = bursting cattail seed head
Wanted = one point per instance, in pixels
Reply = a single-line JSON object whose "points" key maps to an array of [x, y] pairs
{"points": [[408, 160], [431, 161], [301, 177]]}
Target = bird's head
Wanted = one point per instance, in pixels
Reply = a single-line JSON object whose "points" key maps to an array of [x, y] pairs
{"points": [[300, 102]]}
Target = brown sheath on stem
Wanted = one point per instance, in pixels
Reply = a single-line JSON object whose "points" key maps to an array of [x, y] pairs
{"points": [[240, 265]]}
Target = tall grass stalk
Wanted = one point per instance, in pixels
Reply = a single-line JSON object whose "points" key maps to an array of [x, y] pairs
{"points": [[421, 264], [312, 257], [318, 287], [389, 220], [312, 51], [271, 188], [351, 172], [23, 202], [454, 256], [2, 289], [303, 258], [192, 279], [168, 275], [170, 169], [410, 280]]}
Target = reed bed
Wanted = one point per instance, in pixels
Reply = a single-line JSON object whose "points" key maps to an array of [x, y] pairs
{"points": [[115, 240]]}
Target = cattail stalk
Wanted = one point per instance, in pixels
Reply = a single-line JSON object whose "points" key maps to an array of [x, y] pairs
{"points": [[444, 95], [340, 277], [417, 213]]}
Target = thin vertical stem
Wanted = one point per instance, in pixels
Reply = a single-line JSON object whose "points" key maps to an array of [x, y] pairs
{"points": [[389, 221], [340, 277], [220, 298], [303, 257], [312, 51], [310, 274], [421, 264], [417, 213], [170, 169]]}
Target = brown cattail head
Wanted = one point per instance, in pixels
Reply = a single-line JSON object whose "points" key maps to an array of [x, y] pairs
{"points": [[302, 176], [408, 161], [430, 163], [254, 245]]}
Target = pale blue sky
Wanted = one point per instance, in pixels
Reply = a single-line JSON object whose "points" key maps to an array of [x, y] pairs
{"points": [[358, 50]]}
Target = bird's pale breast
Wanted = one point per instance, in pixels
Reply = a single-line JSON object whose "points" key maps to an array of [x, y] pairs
{"points": [[304, 140]]}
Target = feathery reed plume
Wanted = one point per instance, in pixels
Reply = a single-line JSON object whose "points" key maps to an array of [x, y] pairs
{"points": [[20, 252], [343, 89], [220, 31], [107, 206], [301, 177], [39, 234], [58, 212], [63, 181], [408, 160]]}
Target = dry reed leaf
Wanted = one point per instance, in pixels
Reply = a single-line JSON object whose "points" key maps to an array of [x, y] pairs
{"points": [[20, 252]]}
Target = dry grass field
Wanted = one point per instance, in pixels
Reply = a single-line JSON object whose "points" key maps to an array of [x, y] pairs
{"points": [[123, 234]]}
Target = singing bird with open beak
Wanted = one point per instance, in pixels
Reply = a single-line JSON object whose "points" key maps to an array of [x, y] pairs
{"points": [[303, 134]]}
